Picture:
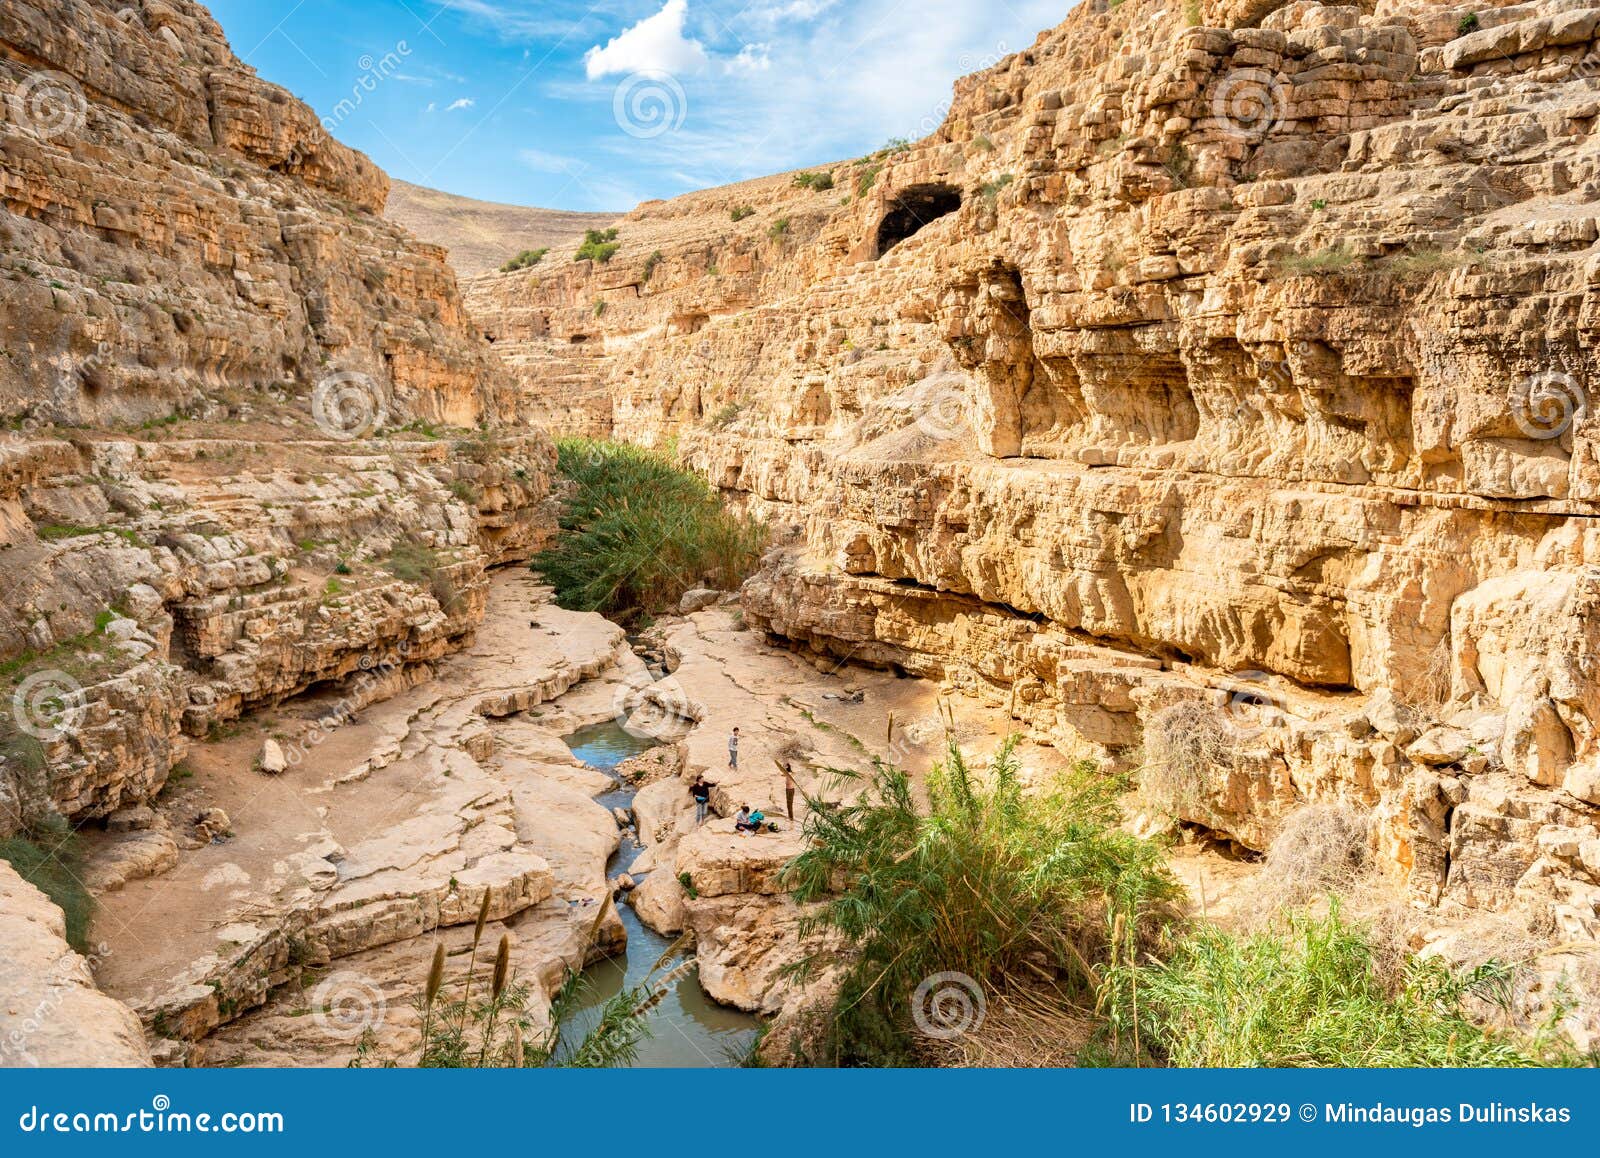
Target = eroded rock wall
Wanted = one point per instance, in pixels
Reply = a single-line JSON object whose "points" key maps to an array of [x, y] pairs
{"points": [[1237, 356], [251, 445]]}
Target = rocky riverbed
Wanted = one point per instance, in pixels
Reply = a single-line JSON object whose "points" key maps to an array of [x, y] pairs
{"points": [[308, 918]]}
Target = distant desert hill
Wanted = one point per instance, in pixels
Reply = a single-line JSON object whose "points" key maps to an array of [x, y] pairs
{"points": [[483, 235]]}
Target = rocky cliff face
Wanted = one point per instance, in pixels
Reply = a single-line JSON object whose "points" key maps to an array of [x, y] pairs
{"points": [[251, 448], [229, 387], [1211, 390]]}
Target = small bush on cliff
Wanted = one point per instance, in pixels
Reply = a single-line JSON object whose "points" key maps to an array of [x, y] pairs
{"points": [[986, 887], [817, 182], [598, 245], [528, 257], [637, 532], [740, 212]]}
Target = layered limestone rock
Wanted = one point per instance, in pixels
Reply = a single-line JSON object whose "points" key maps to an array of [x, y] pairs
{"points": [[1235, 358], [251, 449]]}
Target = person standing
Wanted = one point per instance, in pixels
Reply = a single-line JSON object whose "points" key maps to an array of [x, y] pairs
{"points": [[788, 790], [733, 750], [701, 791]]}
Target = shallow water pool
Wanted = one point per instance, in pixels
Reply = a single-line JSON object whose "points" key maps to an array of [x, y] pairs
{"points": [[689, 1028]]}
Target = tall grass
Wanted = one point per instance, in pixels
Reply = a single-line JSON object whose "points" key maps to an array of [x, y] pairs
{"points": [[1306, 994], [43, 849], [483, 1023], [637, 532], [985, 880]]}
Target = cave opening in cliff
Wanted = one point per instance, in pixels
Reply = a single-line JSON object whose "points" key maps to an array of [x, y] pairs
{"points": [[913, 208]]}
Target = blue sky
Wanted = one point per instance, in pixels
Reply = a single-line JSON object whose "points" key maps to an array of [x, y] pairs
{"points": [[601, 105]]}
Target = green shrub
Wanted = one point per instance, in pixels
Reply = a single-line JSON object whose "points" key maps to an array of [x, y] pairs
{"points": [[49, 859], [650, 264], [525, 259], [987, 880], [740, 212], [816, 182], [1324, 261], [990, 190], [637, 532], [1468, 23], [598, 245], [415, 562], [1308, 994], [778, 228]]}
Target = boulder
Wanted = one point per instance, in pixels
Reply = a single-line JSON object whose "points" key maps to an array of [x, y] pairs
{"points": [[271, 760], [696, 599]]}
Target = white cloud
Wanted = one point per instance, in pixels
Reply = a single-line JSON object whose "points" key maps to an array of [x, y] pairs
{"points": [[751, 58], [460, 103], [655, 44], [543, 162]]}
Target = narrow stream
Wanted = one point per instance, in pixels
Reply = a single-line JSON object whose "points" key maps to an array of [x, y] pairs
{"points": [[689, 1029]]}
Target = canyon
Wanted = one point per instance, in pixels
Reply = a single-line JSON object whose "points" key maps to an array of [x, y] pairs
{"points": [[1205, 392]]}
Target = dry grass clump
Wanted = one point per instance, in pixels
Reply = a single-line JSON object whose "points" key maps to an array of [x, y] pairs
{"points": [[1323, 850], [1183, 744], [1023, 1027]]}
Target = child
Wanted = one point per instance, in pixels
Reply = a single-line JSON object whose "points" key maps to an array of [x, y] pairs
{"points": [[733, 750]]}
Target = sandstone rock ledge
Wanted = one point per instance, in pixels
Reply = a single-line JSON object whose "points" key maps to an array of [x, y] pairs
{"points": [[51, 1013]]}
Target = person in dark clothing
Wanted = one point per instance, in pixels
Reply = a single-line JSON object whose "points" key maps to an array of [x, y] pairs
{"points": [[701, 791]]}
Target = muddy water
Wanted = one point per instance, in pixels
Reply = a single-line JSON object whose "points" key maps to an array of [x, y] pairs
{"points": [[689, 1028]]}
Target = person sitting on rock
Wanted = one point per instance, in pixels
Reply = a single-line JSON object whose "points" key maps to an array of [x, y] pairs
{"points": [[742, 821], [701, 791], [758, 820]]}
